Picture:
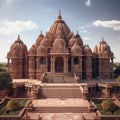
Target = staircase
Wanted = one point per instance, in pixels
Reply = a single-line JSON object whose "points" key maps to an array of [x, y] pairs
{"points": [[60, 91]]}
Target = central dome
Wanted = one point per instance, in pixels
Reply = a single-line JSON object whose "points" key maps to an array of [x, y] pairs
{"points": [[59, 26]]}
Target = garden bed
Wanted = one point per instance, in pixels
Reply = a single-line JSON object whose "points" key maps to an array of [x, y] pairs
{"points": [[98, 103], [4, 110]]}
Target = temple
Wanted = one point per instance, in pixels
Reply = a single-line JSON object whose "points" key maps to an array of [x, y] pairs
{"points": [[60, 52]]}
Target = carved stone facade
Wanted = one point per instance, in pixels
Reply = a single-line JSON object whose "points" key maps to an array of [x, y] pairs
{"points": [[60, 51]]}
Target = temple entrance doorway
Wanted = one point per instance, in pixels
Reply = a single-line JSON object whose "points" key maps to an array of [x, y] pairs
{"points": [[59, 65]]}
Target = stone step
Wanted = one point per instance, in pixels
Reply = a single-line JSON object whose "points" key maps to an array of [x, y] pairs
{"points": [[62, 109], [60, 91]]}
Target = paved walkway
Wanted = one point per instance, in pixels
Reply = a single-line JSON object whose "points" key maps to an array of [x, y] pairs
{"points": [[60, 102], [56, 116], [62, 116]]}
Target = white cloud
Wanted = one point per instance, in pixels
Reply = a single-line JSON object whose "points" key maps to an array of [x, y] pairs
{"points": [[86, 38], [10, 28], [83, 31], [114, 24], [88, 2]]}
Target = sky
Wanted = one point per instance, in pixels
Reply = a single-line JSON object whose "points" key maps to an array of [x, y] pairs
{"points": [[93, 19]]}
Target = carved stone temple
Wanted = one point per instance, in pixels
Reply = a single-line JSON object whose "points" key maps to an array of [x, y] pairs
{"points": [[60, 51]]}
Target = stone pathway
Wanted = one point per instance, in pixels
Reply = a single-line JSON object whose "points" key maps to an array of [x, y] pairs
{"points": [[62, 102]]}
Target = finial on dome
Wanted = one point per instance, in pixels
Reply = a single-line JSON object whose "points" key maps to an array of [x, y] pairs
{"points": [[102, 38], [59, 16], [18, 37], [77, 32]]}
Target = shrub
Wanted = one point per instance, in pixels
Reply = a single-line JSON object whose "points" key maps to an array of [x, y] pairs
{"points": [[108, 105], [5, 80], [12, 105]]}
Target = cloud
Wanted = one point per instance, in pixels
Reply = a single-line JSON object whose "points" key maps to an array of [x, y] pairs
{"points": [[114, 24], [88, 3], [10, 28], [82, 29], [86, 38]]}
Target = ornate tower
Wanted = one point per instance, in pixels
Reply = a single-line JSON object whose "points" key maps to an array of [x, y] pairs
{"points": [[17, 59], [104, 59]]}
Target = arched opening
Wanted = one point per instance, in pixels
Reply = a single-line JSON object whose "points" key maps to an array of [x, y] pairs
{"points": [[59, 65], [76, 60], [42, 60]]}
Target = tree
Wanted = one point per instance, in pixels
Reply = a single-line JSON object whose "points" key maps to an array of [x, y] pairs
{"points": [[5, 80], [117, 71]]}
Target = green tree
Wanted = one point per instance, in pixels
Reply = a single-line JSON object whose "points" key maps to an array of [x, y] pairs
{"points": [[5, 80], [3, 67], [117, 71]]}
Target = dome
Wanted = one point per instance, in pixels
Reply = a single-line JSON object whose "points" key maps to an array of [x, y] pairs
{"points": [[41, 51], [103, 50], [76, 50], [46, 42], [87, 51], [39, 39], [32, 50], [79, 40], [72, 41], [18, 49], [58, 26], [59, 44]]}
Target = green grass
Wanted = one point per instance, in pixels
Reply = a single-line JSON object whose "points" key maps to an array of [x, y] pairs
{"points": [[22, 102], [103, 112]]}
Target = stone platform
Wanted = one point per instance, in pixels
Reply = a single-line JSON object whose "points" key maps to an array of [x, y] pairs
{"points": [[61, 105]]}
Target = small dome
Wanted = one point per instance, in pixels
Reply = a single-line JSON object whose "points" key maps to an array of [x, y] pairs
{"points": [[39, 39], [76, 50], [72, 41], [59, 25], [46, 42], [79, 40], [103, 50], [18, 49], [59, 44], [32, 50], [41, 51], [87, 51]]}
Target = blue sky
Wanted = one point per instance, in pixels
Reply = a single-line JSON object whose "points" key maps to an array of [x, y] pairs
{"points": [[92, 18]]}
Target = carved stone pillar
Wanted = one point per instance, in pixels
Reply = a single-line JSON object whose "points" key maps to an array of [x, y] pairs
{"points": [[65, 65], [53, 65]]}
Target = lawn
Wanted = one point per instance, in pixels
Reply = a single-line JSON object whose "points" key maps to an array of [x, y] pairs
{"points": [[106, 112], [22, 103]]}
